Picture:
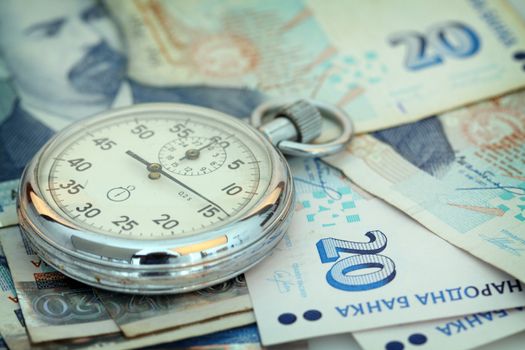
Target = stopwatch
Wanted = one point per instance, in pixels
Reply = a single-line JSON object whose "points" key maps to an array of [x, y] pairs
{"points": [[167, 198]]}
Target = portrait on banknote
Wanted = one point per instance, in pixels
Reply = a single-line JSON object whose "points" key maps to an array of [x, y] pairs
{"points": [[67, 60], [423, 143]]}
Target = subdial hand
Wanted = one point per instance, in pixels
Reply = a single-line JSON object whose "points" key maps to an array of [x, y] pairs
{"points": [[194, 153], [158, 169]]}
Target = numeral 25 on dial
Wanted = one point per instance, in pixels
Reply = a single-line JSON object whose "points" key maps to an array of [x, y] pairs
{"points": [[342, 274]]}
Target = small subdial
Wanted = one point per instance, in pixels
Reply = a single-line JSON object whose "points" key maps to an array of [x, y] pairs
{"points": [[192, 155]]}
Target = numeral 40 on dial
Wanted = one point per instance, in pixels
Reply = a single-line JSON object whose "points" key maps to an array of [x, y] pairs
{"points": [[342, 274]]}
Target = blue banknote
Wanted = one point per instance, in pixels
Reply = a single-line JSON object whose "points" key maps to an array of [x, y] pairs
{"points": [[242, 335], [350, 262]]}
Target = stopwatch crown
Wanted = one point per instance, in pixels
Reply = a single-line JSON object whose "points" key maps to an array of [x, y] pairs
{"points": [[306, 119]]}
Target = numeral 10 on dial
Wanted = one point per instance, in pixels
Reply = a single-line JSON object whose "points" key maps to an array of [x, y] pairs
{"points": [[341, 275]]}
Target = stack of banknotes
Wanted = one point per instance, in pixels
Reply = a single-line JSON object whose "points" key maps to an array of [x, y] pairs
{"points": [[413, 237]]}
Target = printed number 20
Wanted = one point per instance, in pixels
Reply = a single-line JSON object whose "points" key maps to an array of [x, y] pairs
{"points": [[340, 274], [451, 39]]}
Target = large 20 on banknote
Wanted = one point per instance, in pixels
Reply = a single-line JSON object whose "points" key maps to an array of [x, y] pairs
{"points": [[385, 62]]}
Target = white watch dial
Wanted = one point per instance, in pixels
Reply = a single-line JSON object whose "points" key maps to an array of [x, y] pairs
{"points": [[155, 176]]}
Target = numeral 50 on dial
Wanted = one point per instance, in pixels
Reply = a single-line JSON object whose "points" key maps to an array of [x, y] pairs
{"points": [[342, 274]]}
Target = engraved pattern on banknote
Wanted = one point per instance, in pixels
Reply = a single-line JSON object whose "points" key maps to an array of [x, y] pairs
{"points": [[61, 306]]}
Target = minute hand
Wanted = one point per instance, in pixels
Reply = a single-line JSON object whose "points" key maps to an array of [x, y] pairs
{"points": [[145, 162]]}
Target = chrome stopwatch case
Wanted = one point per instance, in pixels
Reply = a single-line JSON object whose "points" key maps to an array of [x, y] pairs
{"points": [[156, 198]]}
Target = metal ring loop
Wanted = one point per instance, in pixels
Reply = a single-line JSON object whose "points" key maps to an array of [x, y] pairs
{"points": [[311, 150]]}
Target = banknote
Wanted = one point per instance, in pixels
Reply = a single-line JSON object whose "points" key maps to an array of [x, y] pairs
{"points": [[8, 191], [514, 342], [350, 262], [343, 341], [240, 338], [519, 7], [412, 60], [347, 342], [18, 339], [12, 325], [11, 320], [464, 332], [460, 174], [54, 306], [141, 314], [209, 326]]}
